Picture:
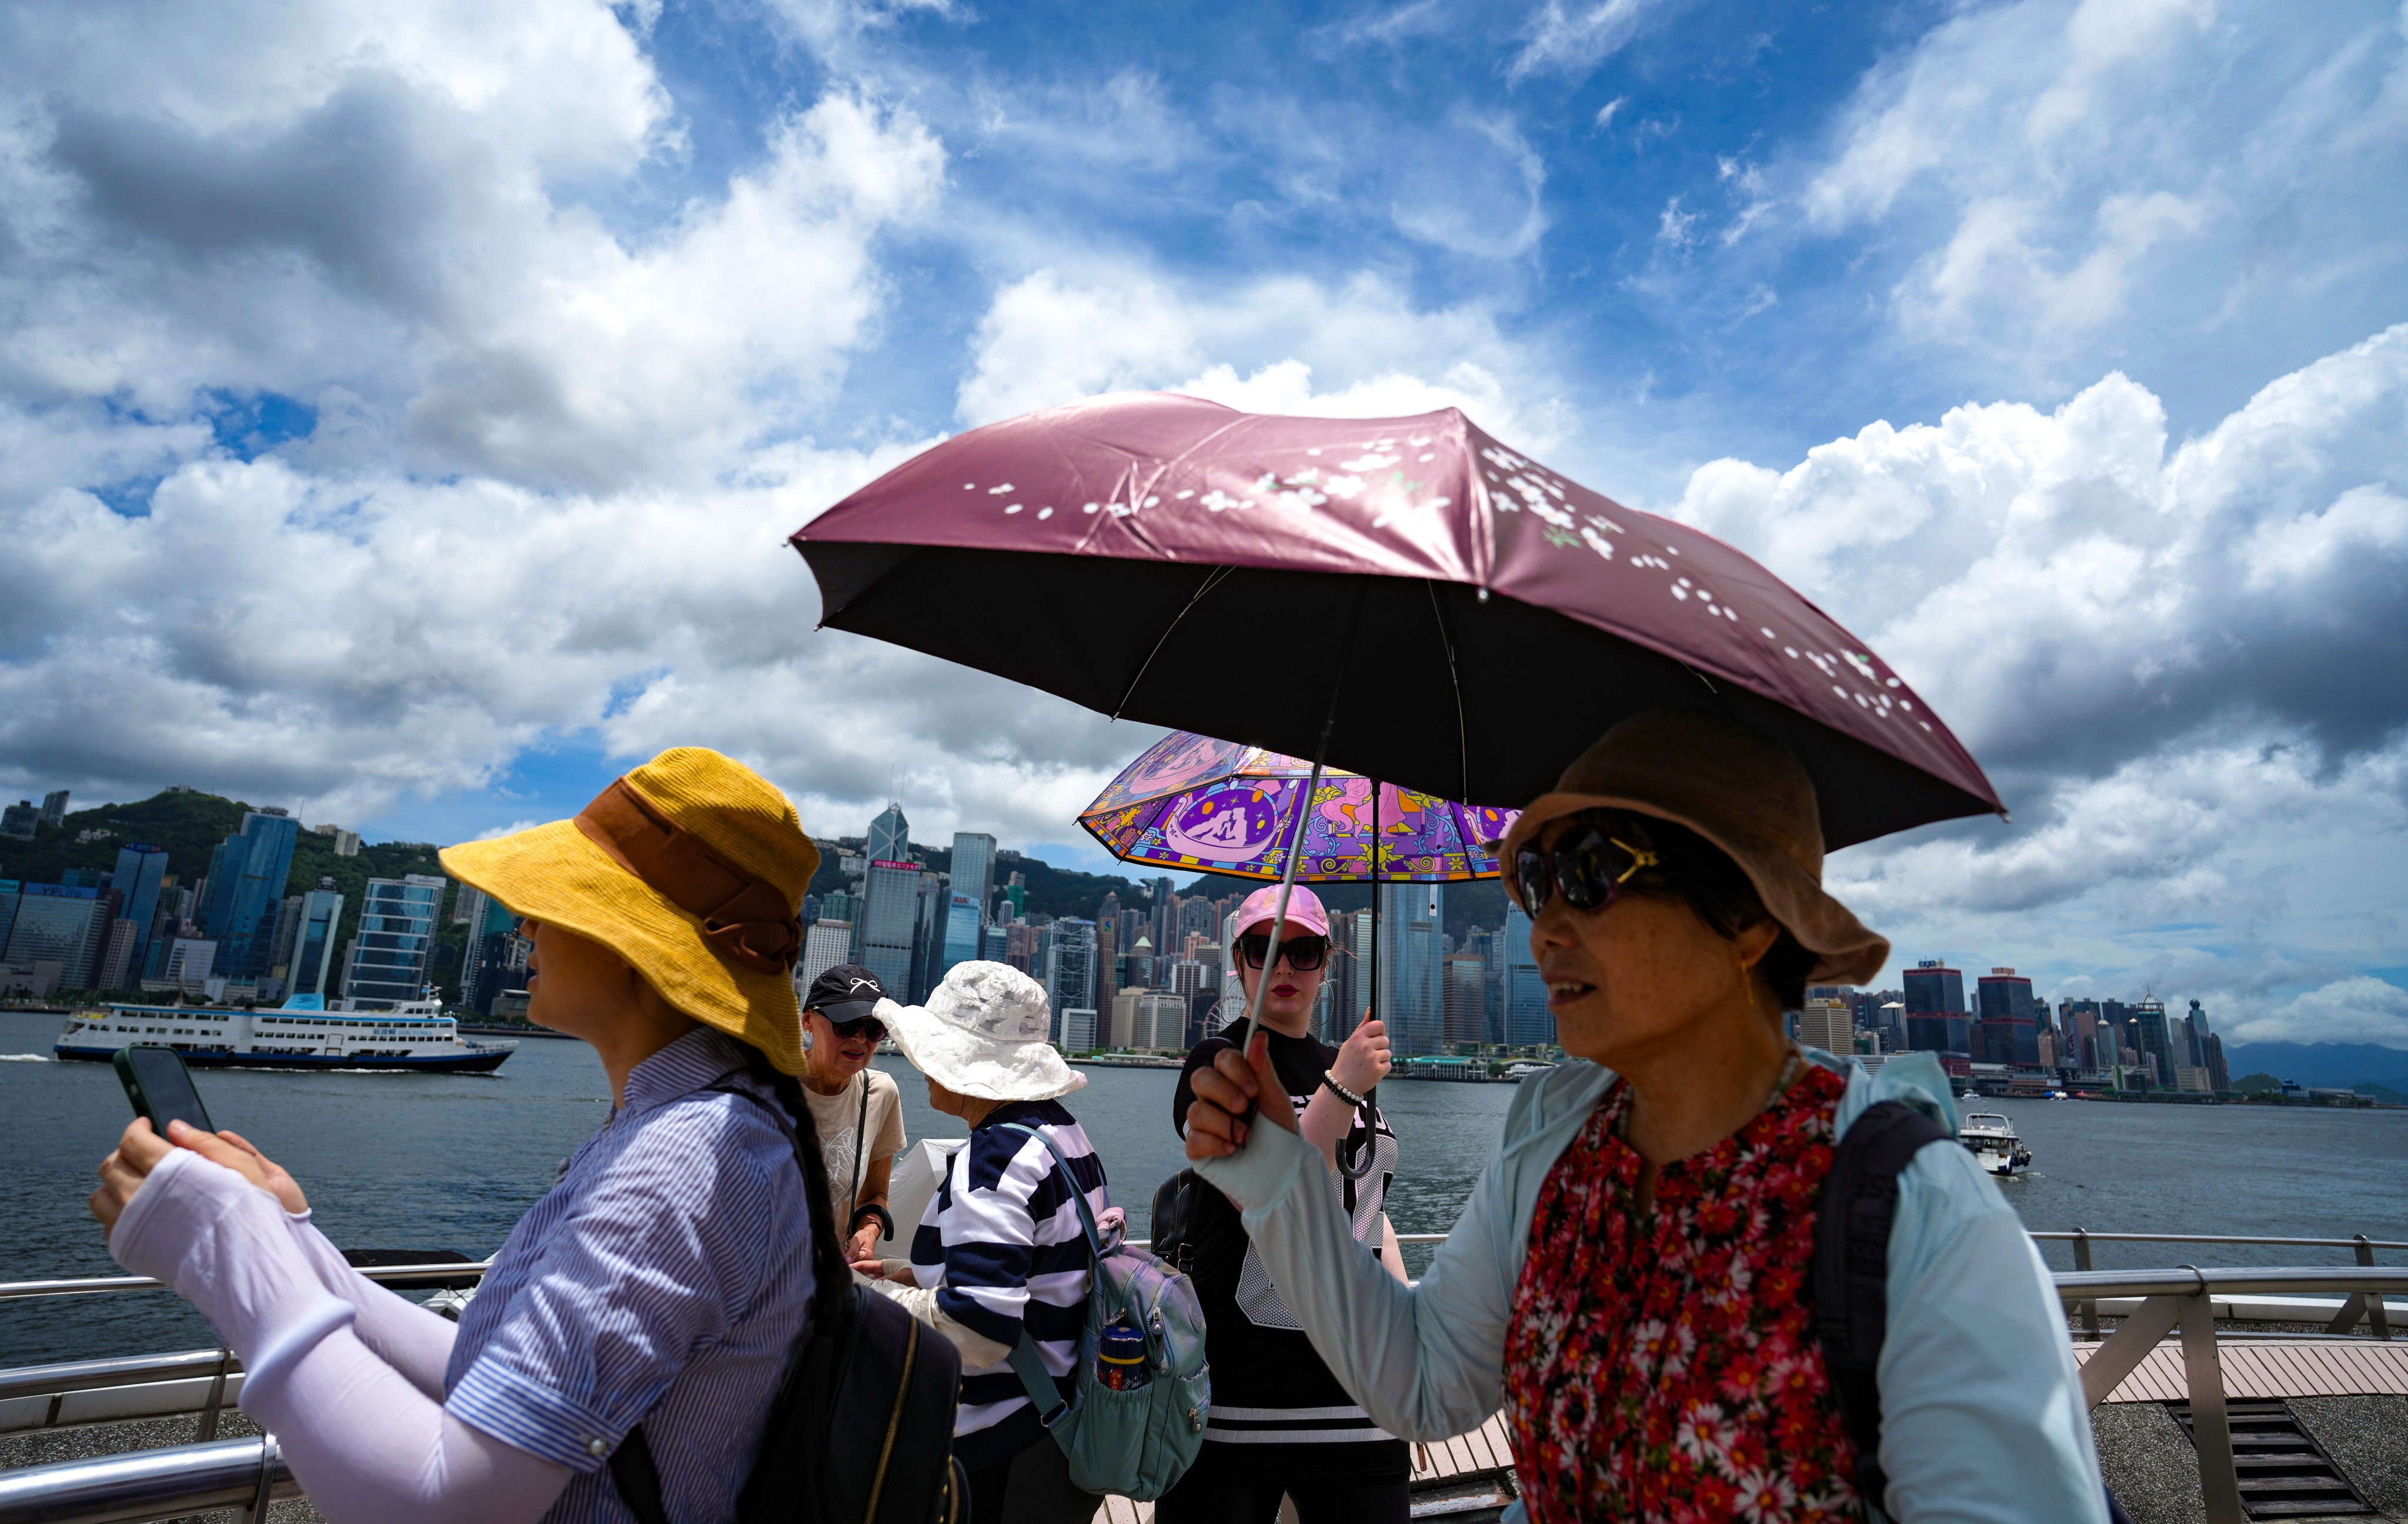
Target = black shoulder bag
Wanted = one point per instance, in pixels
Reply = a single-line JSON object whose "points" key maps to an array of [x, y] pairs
{"points": [[862, 1428], [1851, 1276]]}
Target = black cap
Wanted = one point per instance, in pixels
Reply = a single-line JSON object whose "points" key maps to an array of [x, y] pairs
{"points": [[845, 992]]}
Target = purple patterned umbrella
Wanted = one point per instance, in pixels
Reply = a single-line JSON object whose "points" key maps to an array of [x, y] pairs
{"points": [[1216, 807]]}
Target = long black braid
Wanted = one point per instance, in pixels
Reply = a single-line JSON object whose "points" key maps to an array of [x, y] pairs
{"points": [[832, 1278]]}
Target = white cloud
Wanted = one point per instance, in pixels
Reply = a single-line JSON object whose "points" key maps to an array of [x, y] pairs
{"points": [[2353, 1010], [1047, 339], [1576, 39]]}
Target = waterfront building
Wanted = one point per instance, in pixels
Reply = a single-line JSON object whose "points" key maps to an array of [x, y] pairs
{"points": [[54, 807], [1141, 962], [2153, 1041], [57, 924], [2219, 1079], [386, 962], [1529, 1021], [1159, 1023], [19, 819], [1111, 960], [280, 952], [191, 960], [141, 870], [965, 932], [928, 934], [998, 944], [246, 890], [9, 896], [837, 905], [1935, 1009], [2010, 1017], [1412, 993], [1074, 1031], [321, 913], [1070, 978]]}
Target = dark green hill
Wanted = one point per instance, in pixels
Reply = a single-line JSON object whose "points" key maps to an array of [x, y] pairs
{"points": [[1479, 902], [190, 825]]}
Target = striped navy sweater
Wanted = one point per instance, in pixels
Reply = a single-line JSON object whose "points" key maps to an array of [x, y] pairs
{"points": [[1002, 1245]]}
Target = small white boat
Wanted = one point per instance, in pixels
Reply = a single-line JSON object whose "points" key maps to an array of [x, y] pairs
{"points": [[1991, 1138]]}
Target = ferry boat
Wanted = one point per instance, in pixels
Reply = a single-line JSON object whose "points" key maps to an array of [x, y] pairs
{"points": [[1992, 1140], [302, 1033]]}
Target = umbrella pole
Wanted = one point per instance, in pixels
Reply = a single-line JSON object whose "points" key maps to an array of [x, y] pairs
{"points": [[1296, 830], [1373, 1009]]}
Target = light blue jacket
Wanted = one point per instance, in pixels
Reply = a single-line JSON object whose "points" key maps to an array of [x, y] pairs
{"points": [[1983, 1417]]}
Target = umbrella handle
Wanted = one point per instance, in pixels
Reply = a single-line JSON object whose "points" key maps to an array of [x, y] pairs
{"points": [[1296, 830]]}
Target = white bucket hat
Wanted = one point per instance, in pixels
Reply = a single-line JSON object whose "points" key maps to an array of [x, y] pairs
{"points": [[983, 1033]]}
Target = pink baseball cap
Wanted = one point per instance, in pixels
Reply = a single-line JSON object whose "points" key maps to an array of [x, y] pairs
{"points": [[1303, 909]]}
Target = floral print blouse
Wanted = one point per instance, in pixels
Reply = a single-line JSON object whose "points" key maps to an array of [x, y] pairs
{"points": [[1664, 1367]]}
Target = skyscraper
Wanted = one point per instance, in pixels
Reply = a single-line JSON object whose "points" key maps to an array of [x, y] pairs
{"points": [[1413, 991], [889, 916], [1070, 976], [54, 807], [247, 875], [1467, 1013], [1528, 1023], [140, 870], [1827, 1022], [2010, 1017], [313, 943], [890, 836], [973, 868], [55, 925], [2148, 1021], [1935, 1009], [387, 960]]}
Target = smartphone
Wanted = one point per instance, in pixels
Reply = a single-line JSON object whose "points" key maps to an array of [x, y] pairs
{"points": [[160, 1087]]}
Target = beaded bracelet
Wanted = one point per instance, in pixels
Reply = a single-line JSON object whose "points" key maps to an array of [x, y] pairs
{"points": [[1341, 1092]]}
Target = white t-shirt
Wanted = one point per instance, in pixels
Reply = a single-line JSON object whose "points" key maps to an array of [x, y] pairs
{"points": [[839, 1118]]}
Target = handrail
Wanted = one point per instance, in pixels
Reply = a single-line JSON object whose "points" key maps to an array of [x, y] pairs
{"points": [[2077, 1286], [97, 1284], [123, 1370], [2078, 1235], [244, 1475]]}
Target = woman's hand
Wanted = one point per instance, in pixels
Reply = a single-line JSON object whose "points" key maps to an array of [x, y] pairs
{"points": [[862, 1245], [1363, 1060], [1216, 1120], [139, 1150], [898, 1271]]}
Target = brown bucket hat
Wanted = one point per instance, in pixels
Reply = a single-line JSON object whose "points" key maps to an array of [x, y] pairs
{"points": [[1741, 790]]}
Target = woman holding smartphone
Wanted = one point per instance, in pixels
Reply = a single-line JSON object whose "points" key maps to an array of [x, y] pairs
{"points": [[1281, 1423], [647, 1305]]}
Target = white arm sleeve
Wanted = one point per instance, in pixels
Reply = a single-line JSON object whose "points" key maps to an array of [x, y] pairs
{"points": [[371, 1448], [397, 1331]]}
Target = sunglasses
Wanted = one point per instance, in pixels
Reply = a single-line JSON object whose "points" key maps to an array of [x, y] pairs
{"points": [[859, 1026], [1589, 865], [1303, 953]]}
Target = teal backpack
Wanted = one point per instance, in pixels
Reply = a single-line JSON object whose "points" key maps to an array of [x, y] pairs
{"points": [[1135, 1444]]}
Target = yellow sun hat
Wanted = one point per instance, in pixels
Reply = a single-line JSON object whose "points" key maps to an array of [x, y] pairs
{"points": [[692, 868]]}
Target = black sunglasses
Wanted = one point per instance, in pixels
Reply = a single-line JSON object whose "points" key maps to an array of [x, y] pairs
{"points": [[1303, 953], [1589, 865], [874, 1027]]}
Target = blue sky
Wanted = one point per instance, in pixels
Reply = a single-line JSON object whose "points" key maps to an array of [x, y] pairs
{"points": [[399, 419]]}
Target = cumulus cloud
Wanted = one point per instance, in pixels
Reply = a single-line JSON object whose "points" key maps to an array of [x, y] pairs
{"points": [[2352, 1010], [1049, 337]]}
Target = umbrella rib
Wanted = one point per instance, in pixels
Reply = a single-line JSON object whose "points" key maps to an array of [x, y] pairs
{"points": [[1196, 597], [1462, 737]]}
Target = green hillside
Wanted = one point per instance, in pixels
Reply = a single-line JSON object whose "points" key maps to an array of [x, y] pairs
{"points": [[190, 825]]}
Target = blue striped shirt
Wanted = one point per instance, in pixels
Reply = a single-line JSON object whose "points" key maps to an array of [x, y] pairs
{"points": [[663, 1280], [1002, 1244]]}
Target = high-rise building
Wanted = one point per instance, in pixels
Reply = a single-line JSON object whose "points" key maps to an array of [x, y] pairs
{"points": [[965, 932], [313, 943], [280, 954], [19, 819], [1074, 1031], [116, 967], [141, 869], [54, 807], [1070, 976], [1413, 991], [1467, 1012], [1111, 958], [836, 904], [973, 868], [56, 924], [2218, 1077], [2010, 1017], [1528, 1023], [247, 875], [890, 914], [11, 893], [189, 963], [2154, 1041], [828, 944], [999, 945], [927, 935], [1141, 962], [1827, 1022], [1935, 1009], [890, 836], [2192, 1071], [387, 960]]}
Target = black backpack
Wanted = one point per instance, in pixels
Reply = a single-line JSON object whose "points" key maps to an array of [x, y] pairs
{"points": [[862, 1429], [1174, 1221], [1852, 1273]]}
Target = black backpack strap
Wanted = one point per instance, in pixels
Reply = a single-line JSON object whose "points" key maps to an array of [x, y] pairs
{"points": [[637, 1478], [1852, 1269]]}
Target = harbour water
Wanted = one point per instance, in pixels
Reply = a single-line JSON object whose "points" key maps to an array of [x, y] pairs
{"points": [[395, 1161]]}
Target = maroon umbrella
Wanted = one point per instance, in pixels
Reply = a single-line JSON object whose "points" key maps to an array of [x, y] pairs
{"points": [[1405, 597]]}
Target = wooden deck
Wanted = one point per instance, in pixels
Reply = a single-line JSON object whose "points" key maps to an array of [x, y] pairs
{"points": [[1464, 1455], [2271, 1368]]}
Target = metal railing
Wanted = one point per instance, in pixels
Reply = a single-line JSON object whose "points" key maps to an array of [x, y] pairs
{"points": [[2181, 1299], [2354, 1308], [245, 1474]]}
